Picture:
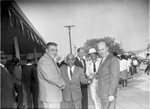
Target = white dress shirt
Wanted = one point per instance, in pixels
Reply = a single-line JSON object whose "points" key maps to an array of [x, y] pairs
{"points": [[90, 66], [81, 60], [72, 69]]}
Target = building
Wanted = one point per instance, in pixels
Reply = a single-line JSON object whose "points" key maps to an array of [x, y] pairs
{"points": [[18, 35]]}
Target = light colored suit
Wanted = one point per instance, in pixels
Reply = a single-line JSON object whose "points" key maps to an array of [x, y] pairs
{"points": [[108, 78], [94, 84], [72, 91], [50, 80]]}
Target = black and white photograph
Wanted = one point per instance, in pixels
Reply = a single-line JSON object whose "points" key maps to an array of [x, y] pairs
{"points": [[75, 54]]}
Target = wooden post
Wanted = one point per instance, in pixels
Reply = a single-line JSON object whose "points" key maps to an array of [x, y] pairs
{"points": [[16, 47], [35, 55]]}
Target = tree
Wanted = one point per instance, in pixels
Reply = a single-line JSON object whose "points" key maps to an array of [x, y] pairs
{"points": [[113, 46]]}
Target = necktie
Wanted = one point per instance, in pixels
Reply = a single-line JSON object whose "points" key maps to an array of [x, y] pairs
{"points": [[71, 72], [101, 61], [81, 60], [94, 67]]}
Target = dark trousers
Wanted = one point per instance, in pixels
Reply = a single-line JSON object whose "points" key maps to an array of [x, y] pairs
{"points": [[134, 69], [7, 101], [32, 96], [84, 90], [131, 71], [19, 90], [147, 69], [107, 104], [124, 82]]}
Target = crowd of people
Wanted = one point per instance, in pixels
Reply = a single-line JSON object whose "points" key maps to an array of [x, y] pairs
{"points": [[65, 85]]}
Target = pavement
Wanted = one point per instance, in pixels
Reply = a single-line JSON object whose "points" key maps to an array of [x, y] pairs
{"points": [[135, 97]]}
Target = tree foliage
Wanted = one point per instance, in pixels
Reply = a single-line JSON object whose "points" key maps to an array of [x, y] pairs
{"points": [[113, 46]]}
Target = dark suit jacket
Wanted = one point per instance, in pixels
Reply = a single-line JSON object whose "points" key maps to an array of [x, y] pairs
{"points": [[108, 77], [29, 75], [73, 89], [79, 64], [7, 88]]}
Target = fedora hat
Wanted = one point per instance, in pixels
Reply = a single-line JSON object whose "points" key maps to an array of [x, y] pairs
{"points": [[92, 50]]}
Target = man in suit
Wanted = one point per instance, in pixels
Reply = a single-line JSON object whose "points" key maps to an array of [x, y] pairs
{"points": [[50, 81], [73, 75], [108, 77], [84, 87], [30, 80], [7, 86]]}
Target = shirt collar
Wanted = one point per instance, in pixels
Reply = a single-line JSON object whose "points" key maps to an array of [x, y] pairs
{"points": [[71, 67], [2, 65], [106, 55], [94, 60], [79, 58], [29, 64]]}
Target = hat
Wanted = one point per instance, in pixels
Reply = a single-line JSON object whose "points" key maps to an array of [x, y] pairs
{"points": [[92, 50], [30, 57]]}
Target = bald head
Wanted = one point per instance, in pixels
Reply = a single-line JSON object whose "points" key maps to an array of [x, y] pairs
{"points": [[102, 48], [70, 59]]}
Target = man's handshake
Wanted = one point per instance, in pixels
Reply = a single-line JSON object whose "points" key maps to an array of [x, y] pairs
{"points": [[91, 76]]}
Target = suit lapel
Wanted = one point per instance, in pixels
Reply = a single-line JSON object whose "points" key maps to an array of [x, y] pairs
{"points": [[79, 62], [106, 59], [52, 61], [7, 72], [74, 72], [66, 72]]}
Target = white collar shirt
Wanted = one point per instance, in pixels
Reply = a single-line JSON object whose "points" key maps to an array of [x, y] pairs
{"points": [[104, 57], [81, 60], [2, 65], [90, 66], [72, 69], [29, 64]]}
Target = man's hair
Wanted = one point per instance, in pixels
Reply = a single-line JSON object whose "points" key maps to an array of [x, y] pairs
{"points": [[115, 53], [78, 50], [104, 42], [51, 44], [15, 60]]}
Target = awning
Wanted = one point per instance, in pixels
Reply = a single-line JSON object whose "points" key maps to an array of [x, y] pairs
{"points": [[15, 24]]}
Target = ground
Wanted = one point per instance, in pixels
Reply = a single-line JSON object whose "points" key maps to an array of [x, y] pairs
{"points": [[135, 97]]}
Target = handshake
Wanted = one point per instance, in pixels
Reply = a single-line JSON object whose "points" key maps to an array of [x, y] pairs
{"points": [[92, 76]]}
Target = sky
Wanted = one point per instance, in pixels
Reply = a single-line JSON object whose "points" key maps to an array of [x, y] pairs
{"points": [[126, 21]]}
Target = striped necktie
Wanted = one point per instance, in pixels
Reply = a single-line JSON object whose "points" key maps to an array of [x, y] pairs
{"points": [[71, 72], [94, 67], [101, 61]]}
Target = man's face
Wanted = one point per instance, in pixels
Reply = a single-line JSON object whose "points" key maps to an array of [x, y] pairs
{"points": [[102, 49], [52, 51], [81, 53], [93, 56], [70, 60], [3, 59]]}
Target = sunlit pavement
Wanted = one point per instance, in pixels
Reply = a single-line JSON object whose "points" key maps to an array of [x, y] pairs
{"points": [[135, 97]]}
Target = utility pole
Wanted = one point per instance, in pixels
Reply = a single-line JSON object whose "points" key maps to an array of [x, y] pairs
{"points": [[69, 28]]}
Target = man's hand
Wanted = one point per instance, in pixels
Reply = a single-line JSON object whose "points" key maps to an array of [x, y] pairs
{"points": [[111, 98], [91, 76]]}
